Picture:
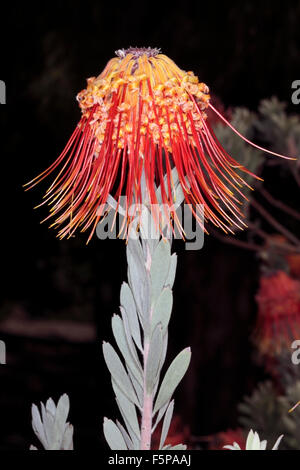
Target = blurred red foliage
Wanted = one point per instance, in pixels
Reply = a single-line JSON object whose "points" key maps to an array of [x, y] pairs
{"points": [[294, 264], [278, 322], [218, 441], [179, 433]]}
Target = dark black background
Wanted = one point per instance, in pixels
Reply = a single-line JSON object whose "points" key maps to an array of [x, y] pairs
{"points": [[245, 51]]}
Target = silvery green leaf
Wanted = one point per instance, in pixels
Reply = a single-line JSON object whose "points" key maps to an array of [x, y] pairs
{"points": [[172, 378], [127, 301], [134, 247], [135, 440], [68, 438], [114, 204], [162, 359], [53, 430], [118, 372], [138, 279], [179, 195], [120, 337], [175, 180], [178, 447], [162, 309], [149, 233], [275, 447], [60, 416], [113, 435], [50, 405], [125, 435], [172, 271], [127, 409], [137, 387], [37, 425], [129, 339], [160, 415], [158, 195], [48, 422], [160, 267], [154, 355], [164, 350], [166, 424]]}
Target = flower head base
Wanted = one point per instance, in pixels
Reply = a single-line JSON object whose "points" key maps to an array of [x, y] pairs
{"points": [[143, 115], [254, 443]]}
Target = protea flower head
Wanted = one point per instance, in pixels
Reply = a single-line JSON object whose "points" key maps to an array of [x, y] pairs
{"points": [[278, 321], [143, 115]]}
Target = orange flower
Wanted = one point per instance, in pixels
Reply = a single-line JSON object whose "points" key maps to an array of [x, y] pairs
{"points": [[278, 322], [143, 114]]}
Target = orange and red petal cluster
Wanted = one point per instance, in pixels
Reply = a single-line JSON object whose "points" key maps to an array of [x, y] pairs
{"points": [[278, 322], [143, 115]]}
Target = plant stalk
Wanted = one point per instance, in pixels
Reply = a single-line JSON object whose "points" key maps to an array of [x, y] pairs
{"points": [[147, 406]]}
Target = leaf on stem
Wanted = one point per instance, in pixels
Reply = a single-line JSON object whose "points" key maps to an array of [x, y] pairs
{"points": [[113, 435], [127, 410], [127, 302], [118, 372], [162, 309], [172, 378], [132, 363], [154, 356], [125, 435], [138, 279], [172, 271], [166, 424], [177, 447], [160, 267]]}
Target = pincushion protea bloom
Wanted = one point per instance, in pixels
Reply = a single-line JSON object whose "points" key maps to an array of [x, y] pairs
{"points": [[143, 114], [278, 322]]}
